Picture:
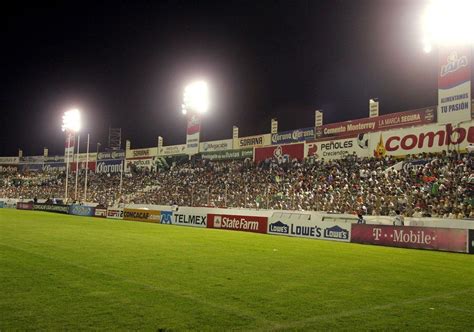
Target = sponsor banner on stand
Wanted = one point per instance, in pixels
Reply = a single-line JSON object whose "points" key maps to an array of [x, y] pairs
{"points": [[252, 141], [109, 166], [30, 167], [432, 138], [454, 84], [446, 239], [111, 155], [252, 224], [294, 136], [166, 217], [54, 159], [384, 122], [228, 155], [141, 215], [8, 168], [115, 213], [171, 150], [9, 160], [82, 165], [339, 148], [313, 229], [100, 212], [82, 157], [193, 132], [213, 146], [280, 153], [142, 153], [189, 219], [32, 160], [24, 206], [144, 163], [54, 167], [81, 210], [58, 208]]}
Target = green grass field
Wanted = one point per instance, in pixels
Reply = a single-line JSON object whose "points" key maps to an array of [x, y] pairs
{"points": [[62, 272]]}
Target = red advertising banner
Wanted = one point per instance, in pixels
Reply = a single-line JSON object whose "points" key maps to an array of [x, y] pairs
{"points": [[82, 165], [238, 223], [446, 239], [281, 153], [24, 206], [418, 117]]}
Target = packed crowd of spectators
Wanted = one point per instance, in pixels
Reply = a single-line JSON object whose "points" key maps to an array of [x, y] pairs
{"points": [[421, 186]]}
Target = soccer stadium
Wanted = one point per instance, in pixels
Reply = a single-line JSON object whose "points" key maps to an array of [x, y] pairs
{"points": [[361, 224]]}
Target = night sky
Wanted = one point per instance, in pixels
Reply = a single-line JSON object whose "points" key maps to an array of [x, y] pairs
{"points": [[125, 64]]}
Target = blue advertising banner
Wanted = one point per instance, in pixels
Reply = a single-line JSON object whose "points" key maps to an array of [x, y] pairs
{"points": [[109, 166], [166, 217], [30, 167], [2, 204], [293, 136], [54, 167], [81, 210]]}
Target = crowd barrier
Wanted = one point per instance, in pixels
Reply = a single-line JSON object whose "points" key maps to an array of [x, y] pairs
{"points": [[311, 225]]}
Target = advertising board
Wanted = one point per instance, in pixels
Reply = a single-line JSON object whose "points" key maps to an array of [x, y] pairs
{"points": [[115, 213], [9, 160], [171, 150], [166, 217], [309, 228], [30, 167], [142, 153], [32, 160], [454, 84], [8, 168], [280, 153], [213, 146], [189, 219], [2, 204], [100, 212], [294, 136], [141, 215], [54, 167], [193, 132], [446, 239], [54, 159], [58, 208], [24, 206], [81, 210], [111, 155], [254, 224], [471, 241], [82, 165], [228, 154], [144, 163], [83, 157], [109, 166], [339, 148], [432, 138], [252, 141], [412, 118]]}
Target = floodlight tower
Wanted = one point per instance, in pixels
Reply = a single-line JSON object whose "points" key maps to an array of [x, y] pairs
{"points": [[71, 125], [195, 104]]}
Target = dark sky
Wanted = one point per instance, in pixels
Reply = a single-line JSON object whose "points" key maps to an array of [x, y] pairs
{"points": [[125, 64]]}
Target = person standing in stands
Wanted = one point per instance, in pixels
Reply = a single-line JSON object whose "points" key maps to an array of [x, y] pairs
{"points": [[360, 219], [398, 220]]}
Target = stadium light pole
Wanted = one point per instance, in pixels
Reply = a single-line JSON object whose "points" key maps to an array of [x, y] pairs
{"points": [[71, 124]]}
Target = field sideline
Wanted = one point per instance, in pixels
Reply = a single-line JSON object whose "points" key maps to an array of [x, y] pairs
{"points": [[65, 272]]}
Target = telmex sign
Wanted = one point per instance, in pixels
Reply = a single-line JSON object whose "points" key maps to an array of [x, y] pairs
{"points": [[252, 141]]}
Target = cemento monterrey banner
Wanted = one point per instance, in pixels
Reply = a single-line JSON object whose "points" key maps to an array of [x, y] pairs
{"points": [[447, 239], [109, 166], [294, 136], [300, 226], [171, 150], [339, 148], [432, 138], [115, 213], [193, 131], [454, 85], [228, 155], [189, 218], [213, 146], [141, 215], [9, 160], [280, 153], [412, 118], [252, 141], [252, 224]]}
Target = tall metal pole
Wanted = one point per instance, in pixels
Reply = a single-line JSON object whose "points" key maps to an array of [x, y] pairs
{"points": [[67, 164], [77, 166], [87, 169]]}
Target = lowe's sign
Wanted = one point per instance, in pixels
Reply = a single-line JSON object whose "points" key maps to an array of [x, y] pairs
{"points": [[293, 136]]}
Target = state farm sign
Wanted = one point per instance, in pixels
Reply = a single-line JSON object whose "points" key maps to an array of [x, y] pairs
{"points": [[446, 239], [252, 224]]}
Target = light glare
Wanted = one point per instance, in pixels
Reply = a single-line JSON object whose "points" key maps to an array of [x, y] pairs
{"points": [[71, 121], [196, 97]]}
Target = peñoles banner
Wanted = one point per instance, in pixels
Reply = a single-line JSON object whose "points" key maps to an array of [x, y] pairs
{"points": [[280, 153]]}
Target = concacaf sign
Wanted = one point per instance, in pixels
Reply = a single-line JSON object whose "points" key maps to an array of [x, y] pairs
{"points": [[141, 215]]}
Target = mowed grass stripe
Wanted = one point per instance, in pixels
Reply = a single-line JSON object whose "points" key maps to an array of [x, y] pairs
{"points": [[186, 278]]}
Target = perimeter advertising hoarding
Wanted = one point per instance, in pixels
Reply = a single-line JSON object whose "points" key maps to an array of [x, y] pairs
{"points": [[432, 138], [109, 166], [294, 136], [252, 141], [307, 228], [9, 160], [171, 150], [115, 213], [280, 153], [471, 241], [58, 208], [81, 210], [228, 155], [188, 218], [446, 239], [418, 117], [141, 215], [193, 132], [252, 224], [454, 84], [212, 146], [111, 155], [24, 206], [339, 148], [99, 212], [2, 204]]}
